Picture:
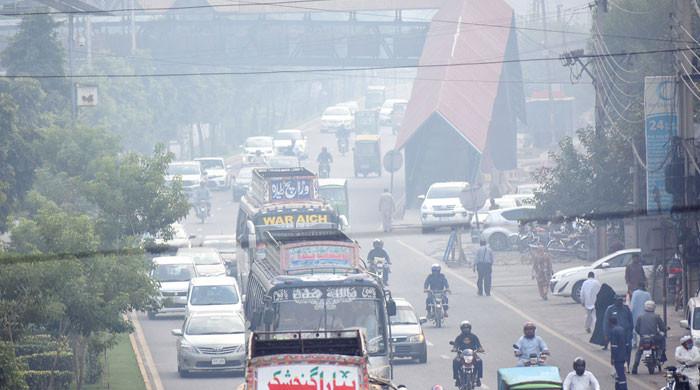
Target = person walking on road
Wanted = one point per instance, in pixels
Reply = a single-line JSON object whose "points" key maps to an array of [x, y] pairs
{"points": [[483, 265], [589, 292], [605, 298], [619, 352], [623, 317], [386, 209], [639, 296], [580, 378], [542, 270], [634, 274]]}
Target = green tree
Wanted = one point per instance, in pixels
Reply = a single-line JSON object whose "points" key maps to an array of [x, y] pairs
{"points": [[10, 370]]}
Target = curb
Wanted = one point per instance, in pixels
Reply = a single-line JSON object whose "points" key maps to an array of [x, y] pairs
{"points": [[144, 359]]}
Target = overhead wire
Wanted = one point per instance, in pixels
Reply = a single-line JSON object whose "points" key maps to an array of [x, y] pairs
{"points": [[605, 47]]}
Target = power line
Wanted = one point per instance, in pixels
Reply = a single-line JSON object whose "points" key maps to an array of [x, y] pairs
{"points": [[334, 70]]}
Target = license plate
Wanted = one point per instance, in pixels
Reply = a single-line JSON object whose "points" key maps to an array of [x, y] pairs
{"points": [[218, 361]]}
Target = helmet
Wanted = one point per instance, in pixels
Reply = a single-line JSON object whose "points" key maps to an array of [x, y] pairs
{"points": [[579, 360], [377, 243], [649, 306], [465, 324], [579, 366], [529, 325], [435, 267]]}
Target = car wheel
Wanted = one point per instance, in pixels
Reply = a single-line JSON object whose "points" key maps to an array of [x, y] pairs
{"points": [[183, 373], [423, 358], [576, 291], [498, 242]]}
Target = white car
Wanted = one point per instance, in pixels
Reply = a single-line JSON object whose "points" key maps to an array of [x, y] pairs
{"points": [[173, 275], [258, 150], [216, 173], [442, 206], [352, 105], [220, 294], [179, 239], [692, 319], [207, 261], [337, 116], [291, 142], [387, 109], [610, 269], [189, 172]]}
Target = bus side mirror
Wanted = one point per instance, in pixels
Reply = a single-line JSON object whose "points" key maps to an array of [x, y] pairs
{"points": [[343, 222], [391, 307], [250, 227]]}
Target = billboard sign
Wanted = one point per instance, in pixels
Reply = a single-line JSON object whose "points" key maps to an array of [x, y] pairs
{"points": [[308, 377]]}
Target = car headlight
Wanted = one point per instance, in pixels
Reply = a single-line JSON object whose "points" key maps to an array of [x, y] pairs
{"points": [[419, 338], [187, 347]]}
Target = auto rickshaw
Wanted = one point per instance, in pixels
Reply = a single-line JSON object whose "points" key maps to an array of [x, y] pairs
{"points": [[367, 155], [397, 115], [530, 378], [335, 192], [367, 122]]}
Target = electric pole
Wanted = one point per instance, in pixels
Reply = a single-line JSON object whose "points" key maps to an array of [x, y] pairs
{"points": [[548, 64]]}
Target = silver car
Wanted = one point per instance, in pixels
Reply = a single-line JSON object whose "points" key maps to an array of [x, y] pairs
{"points": [[407, 333], [210, 342], [207, 261]]}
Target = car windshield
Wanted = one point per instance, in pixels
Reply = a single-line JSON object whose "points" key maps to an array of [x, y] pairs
{"points": [[334, 111], [259, 142], [183, 169], [214, 324], [404, 316], [213, 295], [174, 272], [332, 193], [201, 257], [444, 192], [211, 164]]}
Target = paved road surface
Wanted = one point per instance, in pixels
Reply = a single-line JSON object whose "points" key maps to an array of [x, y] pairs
{"points": [[497, 320]]}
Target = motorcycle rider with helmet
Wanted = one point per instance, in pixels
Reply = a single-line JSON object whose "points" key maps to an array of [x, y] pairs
{"points": [[467, 340], [378, 251], [324, 159], [202, 194], [580, 378], [529, 343], [436, 281], [650, 324]]}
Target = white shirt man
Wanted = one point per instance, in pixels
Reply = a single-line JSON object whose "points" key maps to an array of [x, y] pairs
{"points": [[586, 381], [589, 292], [689, 355]]}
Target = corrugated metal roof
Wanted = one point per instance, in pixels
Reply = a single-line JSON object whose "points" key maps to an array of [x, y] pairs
{"points": [[463, 95]]}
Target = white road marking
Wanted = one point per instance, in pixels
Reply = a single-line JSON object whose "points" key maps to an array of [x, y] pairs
{"points": [[525, 316], [445, 357], [456, 36]]}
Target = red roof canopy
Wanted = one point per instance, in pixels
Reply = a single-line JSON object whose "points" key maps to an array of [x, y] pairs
{"points": [[463, 95]]}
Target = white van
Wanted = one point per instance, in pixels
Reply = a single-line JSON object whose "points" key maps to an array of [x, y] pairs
{"points": [[214, 294]]}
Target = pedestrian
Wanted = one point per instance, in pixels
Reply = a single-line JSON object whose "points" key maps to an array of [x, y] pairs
{"points": [[688, 355], [386, 209], [605, 298], [624, 319], [639, 296], [580, 378], [589, 292], [483, 265], [618, 352], [634, 273], [542, 270]]}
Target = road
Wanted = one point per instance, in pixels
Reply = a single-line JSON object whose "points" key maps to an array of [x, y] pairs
{"points": [[497, 319]]}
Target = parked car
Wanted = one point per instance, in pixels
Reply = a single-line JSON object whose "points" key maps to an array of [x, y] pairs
{"points": [[226, 245], [407, 333], [220, 294], [173, 275], [337, 116], [209, 342], [189, 172], [387, 109], [215, 171], [609, 269], [442, 206], [258, 150], [692, 319], [500, 227], [503, 202], [207, 261], [291, 142]]}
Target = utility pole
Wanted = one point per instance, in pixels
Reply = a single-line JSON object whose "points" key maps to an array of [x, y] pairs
{"points": [[71, 43], [548, 64]]}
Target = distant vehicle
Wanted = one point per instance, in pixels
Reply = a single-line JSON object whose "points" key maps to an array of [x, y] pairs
{"points": [[374, 96], [442, 206], [291, 142], [207, 261], [258, 150], [504, 202], [500, 226], [367, 122], [526, 188], [609, 269], [179, 239], [213, 294], [335, 192], [189, 172], [226, 245], [284, 162], [366, 155], [387, 109], [535, 377], [407, 333], [397, 115], [173, 274], [335, 117], [241, 182], [216, 172], [352, 105], [210, 342]]}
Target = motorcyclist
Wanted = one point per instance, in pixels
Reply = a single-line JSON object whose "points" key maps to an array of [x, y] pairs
{"points": [[378, 251], [650, 324], [580, 378], [342, 134], [202, 194], [467, 340], [436, 281], [529, 344], [688, 355], [324, 158]]}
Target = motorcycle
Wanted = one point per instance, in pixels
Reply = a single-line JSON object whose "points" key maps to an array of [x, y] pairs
{"points": [[533, 360], [675, 380], [468, 375], [324, 170], [343, 145], [202, 211], [380, 267], [650, 354], [436, 309]]}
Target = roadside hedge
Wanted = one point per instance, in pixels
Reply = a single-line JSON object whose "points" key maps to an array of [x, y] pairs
{"points": [[44, 361], [39, 380]]}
